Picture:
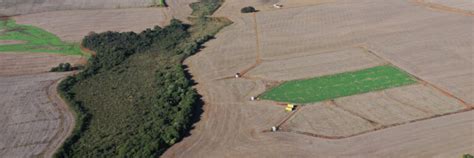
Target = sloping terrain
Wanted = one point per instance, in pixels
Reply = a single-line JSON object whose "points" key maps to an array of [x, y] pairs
{"points": [[16, 7], [73, 25], [433, 45], [13, 64], [34, 121]]}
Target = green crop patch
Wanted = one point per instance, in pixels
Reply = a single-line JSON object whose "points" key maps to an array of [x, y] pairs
{"points": [[339, 85], [33, 39]]}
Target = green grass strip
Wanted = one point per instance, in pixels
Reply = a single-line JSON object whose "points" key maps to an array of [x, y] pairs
{"points": [[338, 85], [35, 40]]}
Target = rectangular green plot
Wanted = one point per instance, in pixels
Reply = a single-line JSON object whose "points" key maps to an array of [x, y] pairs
{"points": [[339, 85]]}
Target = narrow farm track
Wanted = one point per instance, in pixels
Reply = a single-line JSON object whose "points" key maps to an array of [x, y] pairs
{"points": [[258, 59]]}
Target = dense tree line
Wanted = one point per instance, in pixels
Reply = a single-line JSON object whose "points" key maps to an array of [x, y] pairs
{"points": [[248, 9], [133, 98]]}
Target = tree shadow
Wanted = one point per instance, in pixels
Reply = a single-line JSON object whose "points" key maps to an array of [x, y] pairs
{"points": [[197, 109]]}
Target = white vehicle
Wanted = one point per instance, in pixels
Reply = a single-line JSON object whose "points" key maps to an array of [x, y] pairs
{"points": [[278, 6]]}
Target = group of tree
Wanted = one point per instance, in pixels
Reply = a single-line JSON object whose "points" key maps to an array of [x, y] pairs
{"points": [[248, 9], [205, 7], [63, 67], [133, 98]]}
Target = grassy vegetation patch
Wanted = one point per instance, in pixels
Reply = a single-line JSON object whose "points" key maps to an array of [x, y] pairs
{"points": [[205, 7], [339, 85], [35, 40], [134, 98]]}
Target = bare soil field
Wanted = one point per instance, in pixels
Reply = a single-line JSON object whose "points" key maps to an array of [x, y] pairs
{"points": [[310, 64], [400, 105], [13, 64], [6, 42], [327, 120], [33, 120], [73, 25], [343, 117], [16, 7], [433, 45]]}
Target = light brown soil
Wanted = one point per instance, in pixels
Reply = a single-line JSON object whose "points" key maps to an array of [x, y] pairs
{"points": [[12, 64], [67, 121], [401, 104], [73, 25], [31, 118], [6, 42], [326, 119], [312, 64], [16, 7], [432, 45], [360, 114], [34, 121]]}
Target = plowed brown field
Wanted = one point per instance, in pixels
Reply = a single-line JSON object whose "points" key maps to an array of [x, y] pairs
{"points": [[430, 119]]}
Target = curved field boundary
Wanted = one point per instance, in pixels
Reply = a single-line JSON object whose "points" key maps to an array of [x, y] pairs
{"points": [[35, 39], [67, 120]]}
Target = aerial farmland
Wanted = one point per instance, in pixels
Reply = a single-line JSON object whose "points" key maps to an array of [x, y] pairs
{"points": [[201, 78]]}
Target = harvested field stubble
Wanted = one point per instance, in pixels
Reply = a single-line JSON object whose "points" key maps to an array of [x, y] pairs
{"points": [[326, 119], [12, 64], [310, 64], [15, 7], [401, 104], [31, 121], [378, 109], [73, 25], [423, 41]]}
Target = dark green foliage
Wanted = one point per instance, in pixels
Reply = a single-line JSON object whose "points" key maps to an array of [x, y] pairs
{"points": [[467, 156], [133, 99], [62, 67], [114, 47], [248, 9], [205, 7]]}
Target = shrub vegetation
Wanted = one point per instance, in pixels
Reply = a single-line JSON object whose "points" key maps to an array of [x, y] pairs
{"points": [[134, 98], [248, 9], [63, 67], [205, 7]]}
